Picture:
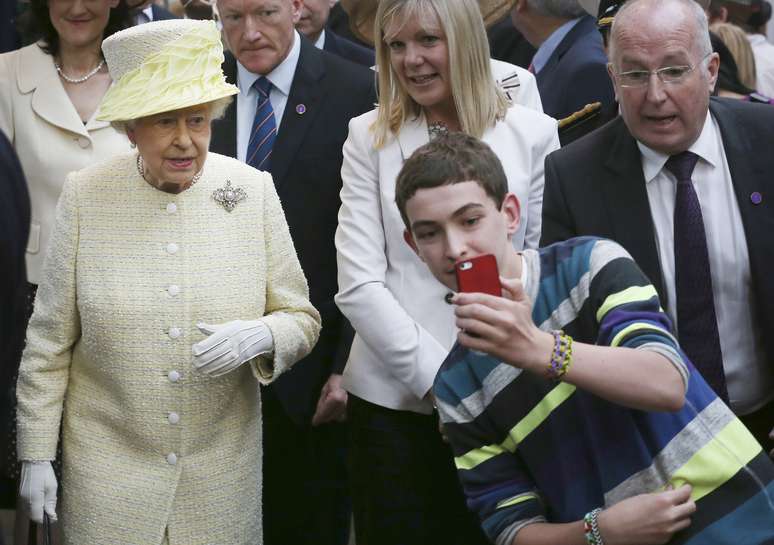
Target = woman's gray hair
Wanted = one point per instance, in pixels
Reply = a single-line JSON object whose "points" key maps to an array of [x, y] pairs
{"points": [[217, 110]]}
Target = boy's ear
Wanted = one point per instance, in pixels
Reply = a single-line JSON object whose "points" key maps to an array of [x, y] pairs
{"points": [[512, 211], [409, 238]]}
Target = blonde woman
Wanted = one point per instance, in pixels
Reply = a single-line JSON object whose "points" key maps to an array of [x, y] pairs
{"points": [[171, 290], [434, 77], [737, 43]]}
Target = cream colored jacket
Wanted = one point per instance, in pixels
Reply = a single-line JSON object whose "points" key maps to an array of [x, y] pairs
{"points": [[149, 443], [404, 329], [51, 140]]}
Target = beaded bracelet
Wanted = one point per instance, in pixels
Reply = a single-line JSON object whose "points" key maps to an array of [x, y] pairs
{"points": [[591, 528], [561, 356]]}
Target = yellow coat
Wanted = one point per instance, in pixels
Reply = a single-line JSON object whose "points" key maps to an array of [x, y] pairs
{"points": [[149, 443]]}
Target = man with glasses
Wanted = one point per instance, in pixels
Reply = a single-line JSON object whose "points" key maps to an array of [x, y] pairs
{"points": [[682, 181]]}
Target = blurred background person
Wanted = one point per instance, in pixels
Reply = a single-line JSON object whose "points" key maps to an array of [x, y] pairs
{"points": [[736, 41], [312, 24], [171, 289], [570, 64], [49, 93], [434, 76], [145, 11], [752, 16], [729, 83]]}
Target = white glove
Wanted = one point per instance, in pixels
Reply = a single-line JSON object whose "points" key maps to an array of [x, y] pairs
{"points": [[230, 345], [38, 490]]}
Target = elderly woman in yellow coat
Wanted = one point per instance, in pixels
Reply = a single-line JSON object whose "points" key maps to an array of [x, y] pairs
{"points": [[171, 289]]}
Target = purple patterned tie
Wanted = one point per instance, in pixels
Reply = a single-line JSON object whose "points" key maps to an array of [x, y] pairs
{"points": [[696, 321]]}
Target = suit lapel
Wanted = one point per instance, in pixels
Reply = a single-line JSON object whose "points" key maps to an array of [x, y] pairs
{"points": [[567, 42], [304, 103], [412, 135], [747, 177], [224, 130], [49, 99], [627, 203]]}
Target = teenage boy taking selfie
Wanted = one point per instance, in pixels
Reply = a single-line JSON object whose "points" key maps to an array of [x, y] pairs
{"points": [[573, 415]]}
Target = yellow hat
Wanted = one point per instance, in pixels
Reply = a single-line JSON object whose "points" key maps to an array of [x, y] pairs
{"points": [[162, 66]]}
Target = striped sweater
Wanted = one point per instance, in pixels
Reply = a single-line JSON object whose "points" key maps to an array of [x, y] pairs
{"points": [[528, 449]]}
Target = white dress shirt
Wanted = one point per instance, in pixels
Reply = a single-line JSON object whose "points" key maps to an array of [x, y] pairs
{"points": [[744, 363], [281, 79], [320, 43]]}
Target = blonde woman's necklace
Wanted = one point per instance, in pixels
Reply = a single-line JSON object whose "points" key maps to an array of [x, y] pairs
{"points": [[81, 79], [437, 129]]}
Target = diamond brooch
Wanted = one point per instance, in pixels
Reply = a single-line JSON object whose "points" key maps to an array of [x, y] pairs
{"points": [[229, 196]]}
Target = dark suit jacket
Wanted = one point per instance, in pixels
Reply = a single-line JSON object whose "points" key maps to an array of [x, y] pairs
{"points": [[576, 72], [306, 167], [508, 44], [14, 231], [162, 14], [595, 186], [348, 50]]}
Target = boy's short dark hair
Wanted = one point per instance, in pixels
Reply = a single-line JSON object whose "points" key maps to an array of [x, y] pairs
{"points": [[451, 159]]}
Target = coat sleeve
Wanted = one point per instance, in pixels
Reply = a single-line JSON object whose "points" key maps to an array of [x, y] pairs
{"points": [[411, 353], [545, 145], [54, 329], [293, 321], [497, 484]]}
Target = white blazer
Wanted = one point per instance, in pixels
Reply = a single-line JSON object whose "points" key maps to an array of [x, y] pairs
{"points": [[404, 329], [49, 137]]}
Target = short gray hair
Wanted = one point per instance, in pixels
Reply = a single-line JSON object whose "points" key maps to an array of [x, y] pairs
{"points": [[218, 109], [701, 38], [562, 9]]}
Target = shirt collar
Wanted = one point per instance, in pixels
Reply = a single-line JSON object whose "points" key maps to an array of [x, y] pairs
{"points": [[320, 43], [706, 147], [282, 75], [548, 47]]}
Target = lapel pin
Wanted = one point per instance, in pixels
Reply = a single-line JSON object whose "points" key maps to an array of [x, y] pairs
{"points": [[301, 109], [756, 197]]}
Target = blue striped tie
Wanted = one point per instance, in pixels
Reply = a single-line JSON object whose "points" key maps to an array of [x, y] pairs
{"points": [[264, 128]]}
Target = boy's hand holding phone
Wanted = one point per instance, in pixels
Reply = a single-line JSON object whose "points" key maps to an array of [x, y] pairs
{"points": [[503, 327]]}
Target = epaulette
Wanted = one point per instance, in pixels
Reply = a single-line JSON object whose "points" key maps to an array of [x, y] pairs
{"points": [[588, 112]]}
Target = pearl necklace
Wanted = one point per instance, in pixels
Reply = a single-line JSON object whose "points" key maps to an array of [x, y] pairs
{"points": [[141, 172], [78, 80]]}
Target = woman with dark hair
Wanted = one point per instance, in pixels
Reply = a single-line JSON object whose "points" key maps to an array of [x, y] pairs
{"points": [[49, 93]]}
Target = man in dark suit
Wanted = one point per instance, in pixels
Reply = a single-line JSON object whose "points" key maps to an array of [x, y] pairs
{"points": [[569, 64], [148, 11], [291, 118], [14, 230], [682, 181], [314, 18]]}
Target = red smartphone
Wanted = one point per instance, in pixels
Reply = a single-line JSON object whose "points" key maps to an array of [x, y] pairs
{"points": [[479, 275]]}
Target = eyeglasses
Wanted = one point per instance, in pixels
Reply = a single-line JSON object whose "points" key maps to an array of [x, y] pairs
{"points": [[668, 74]]}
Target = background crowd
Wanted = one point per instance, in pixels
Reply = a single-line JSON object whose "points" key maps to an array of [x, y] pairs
{"points": [[265, 360]]}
